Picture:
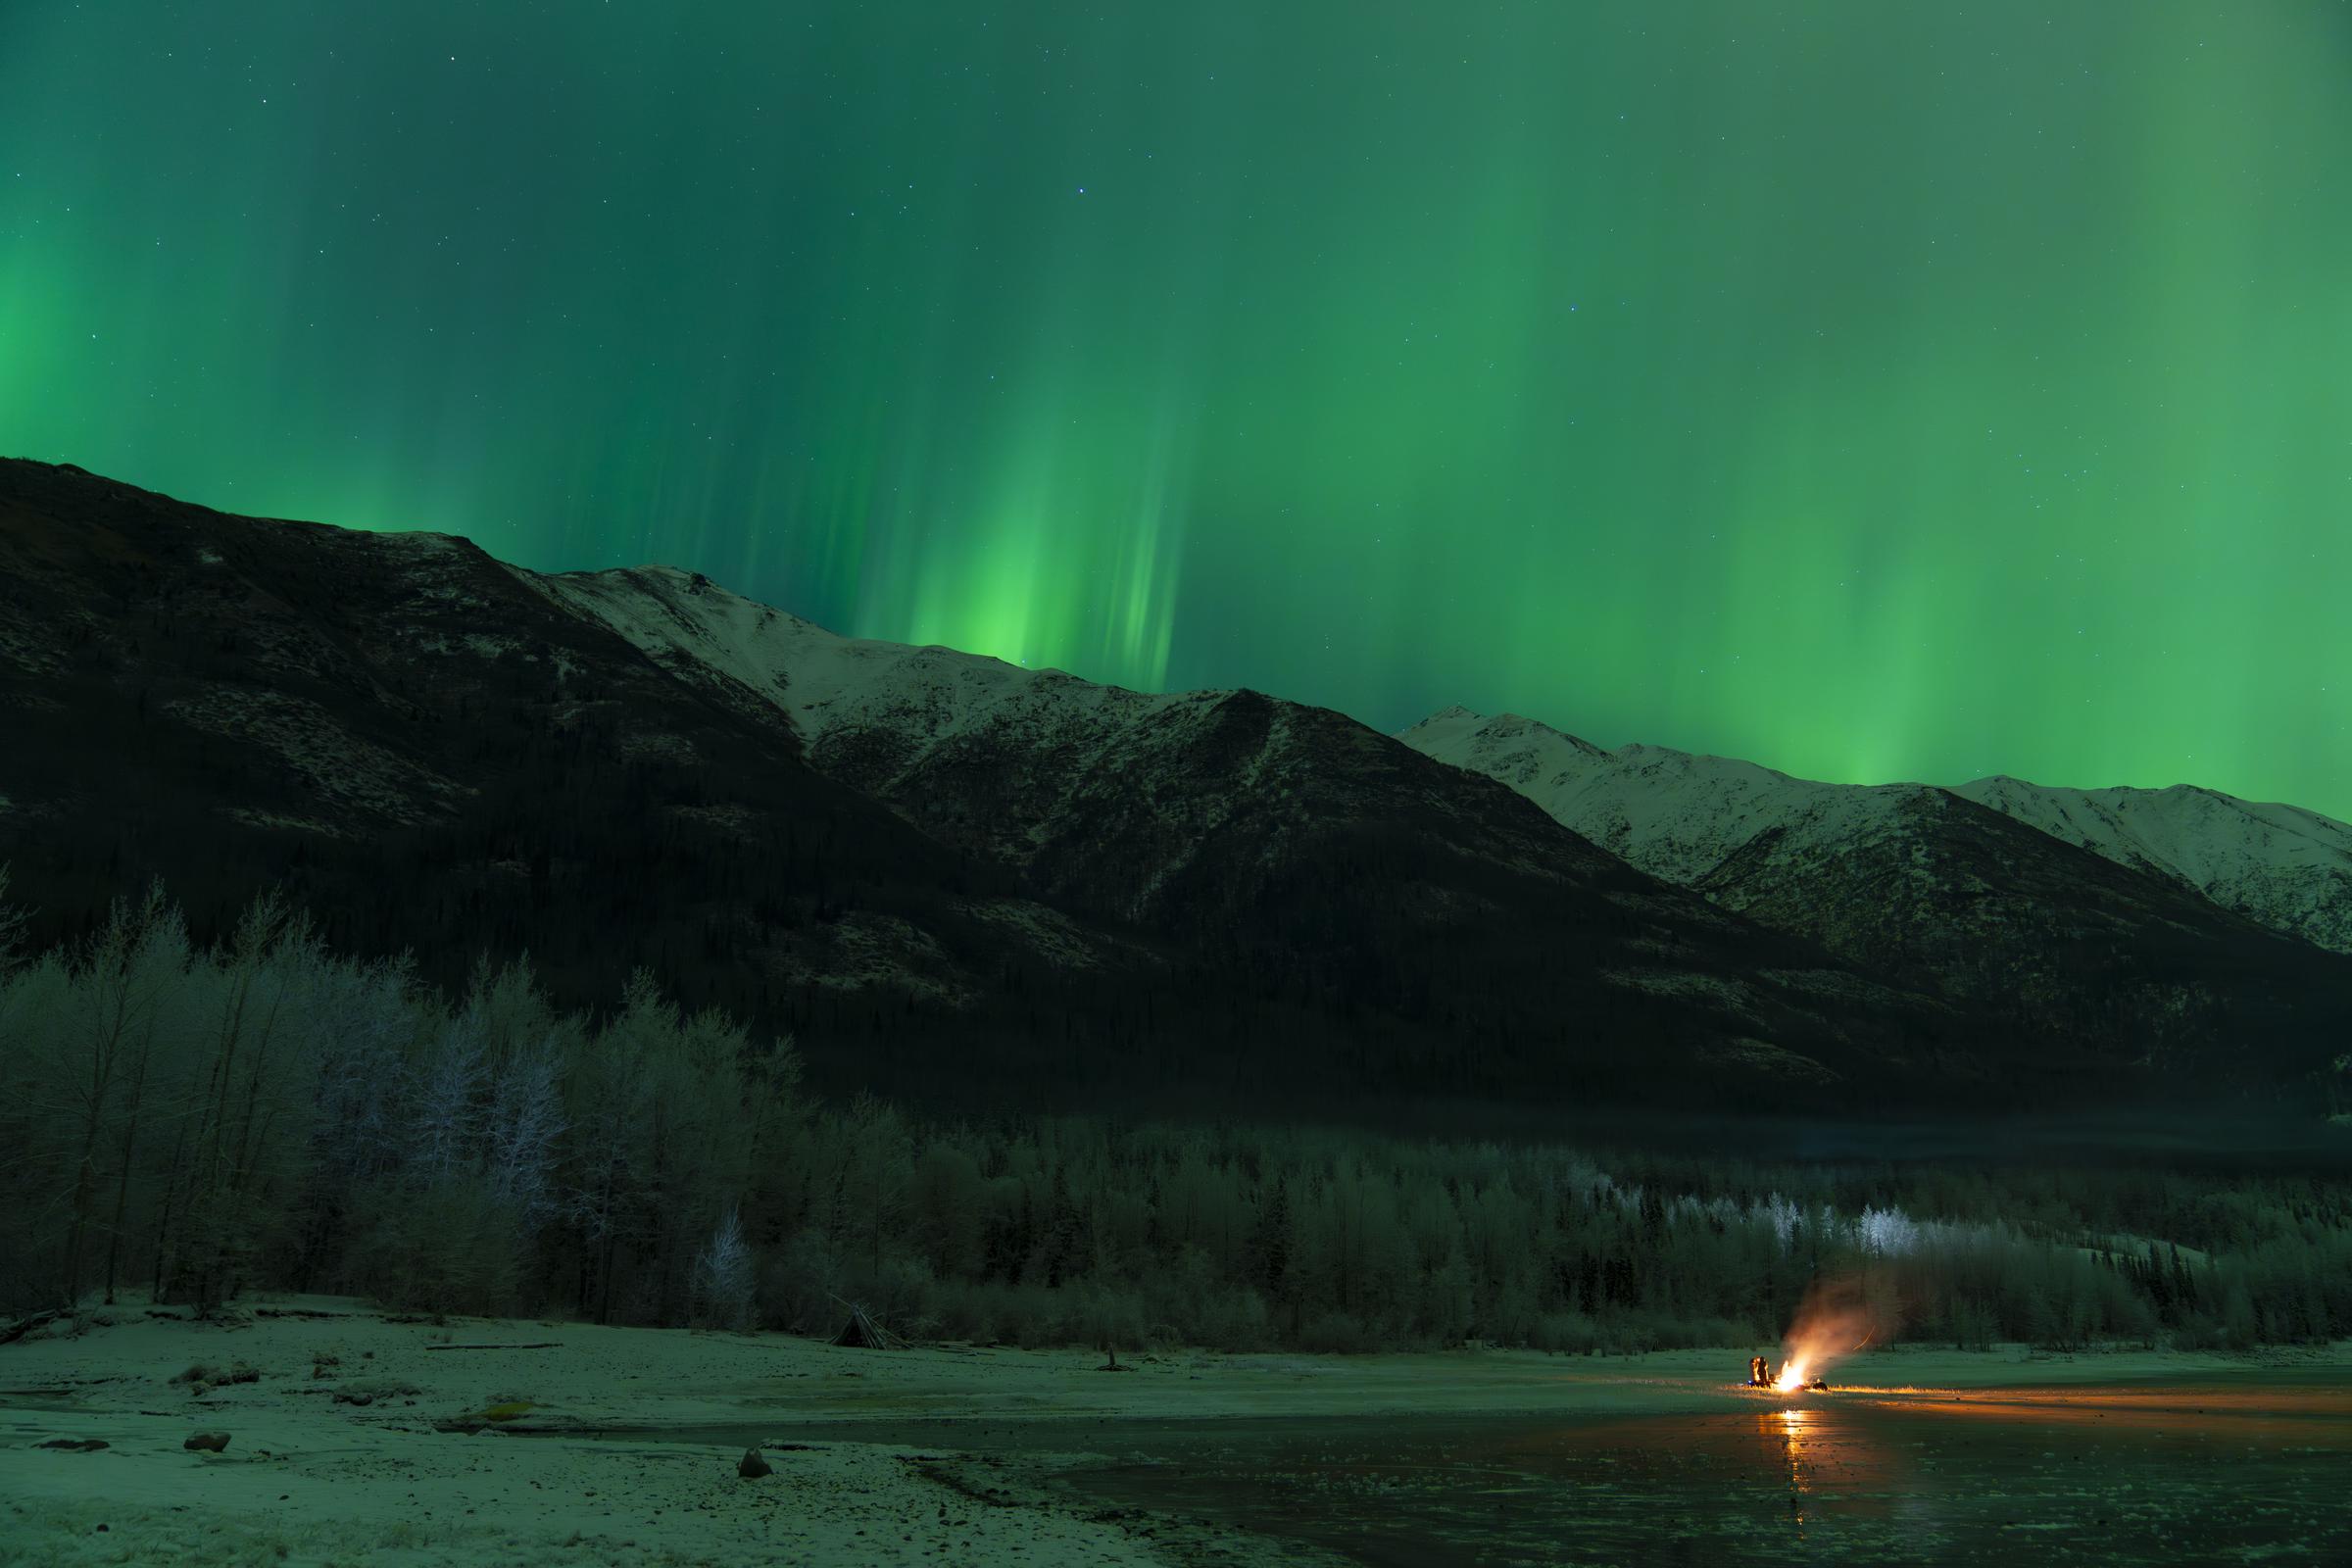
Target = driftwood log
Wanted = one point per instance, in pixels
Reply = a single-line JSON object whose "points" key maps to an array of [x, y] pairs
{"points": [[536, 1345], [17, 1331]]}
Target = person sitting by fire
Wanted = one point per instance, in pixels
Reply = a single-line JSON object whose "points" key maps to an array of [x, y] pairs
{"points": [[1755, 1372]]}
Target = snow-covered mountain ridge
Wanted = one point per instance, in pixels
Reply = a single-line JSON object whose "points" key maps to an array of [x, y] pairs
{"points": [[1301, 845], [947, 876], [947, 872], [1179, 810], [1682, 816], [892, 719], [2284, 866]]}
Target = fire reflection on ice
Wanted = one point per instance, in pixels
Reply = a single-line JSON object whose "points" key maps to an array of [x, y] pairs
{"points": [[1790, 1426]]}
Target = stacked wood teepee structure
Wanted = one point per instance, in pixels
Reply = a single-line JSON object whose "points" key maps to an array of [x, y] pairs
{"points": [[863, 1332]]}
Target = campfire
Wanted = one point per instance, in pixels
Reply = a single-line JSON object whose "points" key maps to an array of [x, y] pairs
{"points": [[1796, 1377], [1832, 1324], [1793, 1376]]}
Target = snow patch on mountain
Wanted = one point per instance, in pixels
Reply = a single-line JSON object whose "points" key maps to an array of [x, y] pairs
{"points": [[1037, 768], [1676, 814], [828, 684], [2284, 866], [920, 727]]}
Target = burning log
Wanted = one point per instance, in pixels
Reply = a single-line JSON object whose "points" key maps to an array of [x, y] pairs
{"points": [[1797, 1378]]}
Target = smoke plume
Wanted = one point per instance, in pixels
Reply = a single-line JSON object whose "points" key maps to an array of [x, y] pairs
{"points": [[1835, 1319]]}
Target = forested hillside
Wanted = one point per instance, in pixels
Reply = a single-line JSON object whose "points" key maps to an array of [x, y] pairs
{"points": [[204, 1122]]}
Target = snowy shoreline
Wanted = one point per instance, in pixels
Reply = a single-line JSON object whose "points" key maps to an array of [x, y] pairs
{"points": [[307, 1478], [407, 1477]]}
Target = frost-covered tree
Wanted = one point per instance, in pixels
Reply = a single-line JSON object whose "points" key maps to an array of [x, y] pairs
{"points": [[616, 1107], [724, 1275], [521, 1134], [367, 1021], [1887, 1232], [444, 1120], [875, 1177], [240, 1149], [264, 1112], [107, 1046], [360, 1050]]}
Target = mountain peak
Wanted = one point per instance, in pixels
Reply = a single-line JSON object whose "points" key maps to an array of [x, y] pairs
{"points": [[1434, 733], [1680, 814]]}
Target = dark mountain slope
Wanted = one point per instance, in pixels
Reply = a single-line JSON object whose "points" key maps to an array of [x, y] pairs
{"points": [[434, 752], [2099, 960], [951, 877], [427, 753], [1298, 843]]}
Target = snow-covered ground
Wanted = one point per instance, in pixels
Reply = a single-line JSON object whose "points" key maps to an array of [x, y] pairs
{"points": [[307, 1479]]}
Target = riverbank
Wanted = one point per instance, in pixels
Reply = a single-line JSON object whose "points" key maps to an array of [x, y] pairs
{"points": [[362, 1438]]}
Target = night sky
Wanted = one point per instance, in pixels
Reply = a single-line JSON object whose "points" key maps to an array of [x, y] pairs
{"points": [[1872, 390]]}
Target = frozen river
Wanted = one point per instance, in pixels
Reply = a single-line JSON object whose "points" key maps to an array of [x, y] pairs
{"points": [[2253, 1470]]}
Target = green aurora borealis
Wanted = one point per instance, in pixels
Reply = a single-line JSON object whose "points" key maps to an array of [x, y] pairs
{"points": [[1872, 390]]}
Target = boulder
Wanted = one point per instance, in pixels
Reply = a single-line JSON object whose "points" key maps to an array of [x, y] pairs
{"points": [[209, 1441]]}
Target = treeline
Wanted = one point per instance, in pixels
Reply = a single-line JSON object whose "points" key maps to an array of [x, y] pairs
{"points": [[198, 1122]]}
